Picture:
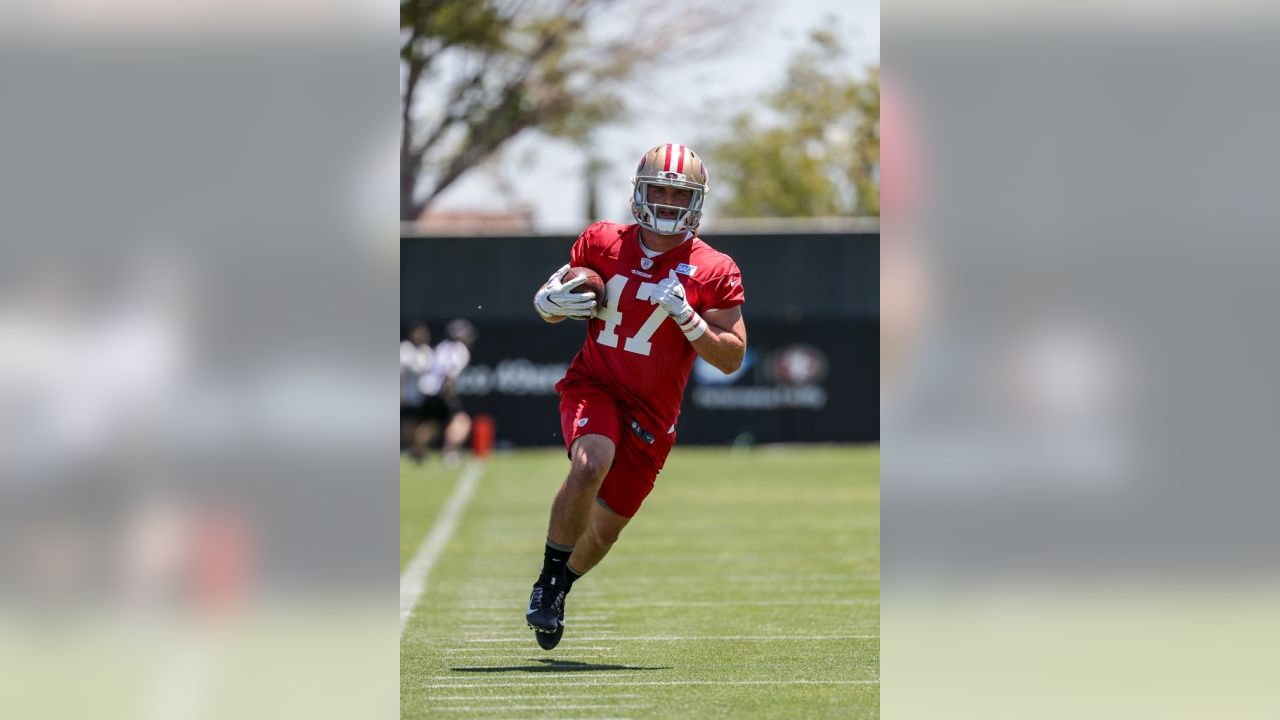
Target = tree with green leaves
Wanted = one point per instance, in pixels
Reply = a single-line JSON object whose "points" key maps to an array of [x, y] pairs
{"points": [[477, 73], [818, 152]]}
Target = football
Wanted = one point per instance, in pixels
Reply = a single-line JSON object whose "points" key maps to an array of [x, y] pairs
{"points": [[594, 283]]}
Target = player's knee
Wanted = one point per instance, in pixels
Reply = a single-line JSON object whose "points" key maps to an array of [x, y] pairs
{"points": [[590, 468], [591, 462]]}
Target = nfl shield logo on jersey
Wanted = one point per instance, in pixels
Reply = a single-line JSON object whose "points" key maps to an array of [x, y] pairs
{"points": [[645, 263]]}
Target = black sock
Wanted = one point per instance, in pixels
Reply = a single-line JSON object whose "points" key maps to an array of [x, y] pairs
{"points": [[572, 574], [555, 558]]}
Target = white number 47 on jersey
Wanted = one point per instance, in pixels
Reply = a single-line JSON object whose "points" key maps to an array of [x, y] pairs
{"points": [[609, 313]]}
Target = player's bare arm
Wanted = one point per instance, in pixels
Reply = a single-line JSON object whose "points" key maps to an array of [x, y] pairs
{"points": [[725, 341], [722, 344]]}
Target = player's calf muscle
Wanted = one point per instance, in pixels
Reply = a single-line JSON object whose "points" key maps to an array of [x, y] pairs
{"points": [[604, 534]]}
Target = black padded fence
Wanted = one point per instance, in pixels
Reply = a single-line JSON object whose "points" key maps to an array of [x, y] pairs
{"points": [[811, 372]]}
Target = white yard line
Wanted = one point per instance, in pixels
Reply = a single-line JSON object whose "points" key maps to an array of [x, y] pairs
{"points": [[554, 718], [549, 718], [489, 649], [483, 679], [855, 577], [760, 577], [499, 613], [577, 623], [503, 656], [753, 603], [691, 638], [708, 603], [526, 696], [475, 679], [481, 708], [627, 683], [414, 580], [485, 618]]}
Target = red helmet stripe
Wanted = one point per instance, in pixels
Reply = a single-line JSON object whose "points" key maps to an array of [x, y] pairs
{"points": [[680, 167], [667, 165]]}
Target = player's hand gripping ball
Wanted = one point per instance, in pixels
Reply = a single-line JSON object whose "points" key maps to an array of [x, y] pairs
{"points": [[594, 284], [569, 292]]}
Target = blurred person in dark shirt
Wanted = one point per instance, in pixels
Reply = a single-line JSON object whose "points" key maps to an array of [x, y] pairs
{"points": [[416, 357], [441, 406]]}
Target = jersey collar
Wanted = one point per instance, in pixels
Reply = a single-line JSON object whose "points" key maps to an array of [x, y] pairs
{"points": [[656, 256]]}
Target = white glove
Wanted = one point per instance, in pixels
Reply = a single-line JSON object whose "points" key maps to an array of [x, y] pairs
{"points": [[670, 295], [557, 298]]}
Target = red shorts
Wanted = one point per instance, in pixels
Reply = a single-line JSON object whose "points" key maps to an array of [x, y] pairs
{"points": [[587, 410]]}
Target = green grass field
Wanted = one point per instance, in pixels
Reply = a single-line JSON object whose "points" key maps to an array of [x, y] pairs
{"points": [[747, 587]]}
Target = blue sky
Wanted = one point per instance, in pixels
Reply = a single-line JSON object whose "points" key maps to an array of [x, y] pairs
{"points": [[546, 174]]}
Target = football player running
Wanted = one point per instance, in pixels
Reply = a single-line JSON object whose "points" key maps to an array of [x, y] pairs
{"points": [[669, 297]]}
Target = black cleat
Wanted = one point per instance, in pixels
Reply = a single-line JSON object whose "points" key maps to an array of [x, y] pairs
{"points": [[549, 641], [545, 613]]}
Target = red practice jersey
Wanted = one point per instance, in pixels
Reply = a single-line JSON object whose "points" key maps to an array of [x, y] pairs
{"points": [[634, 350]]}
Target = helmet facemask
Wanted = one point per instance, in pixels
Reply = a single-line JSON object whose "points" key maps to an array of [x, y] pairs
{"points": [[648, 213]]}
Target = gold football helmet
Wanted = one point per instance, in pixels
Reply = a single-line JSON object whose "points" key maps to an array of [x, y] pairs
{"points": [[673, 165]]}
